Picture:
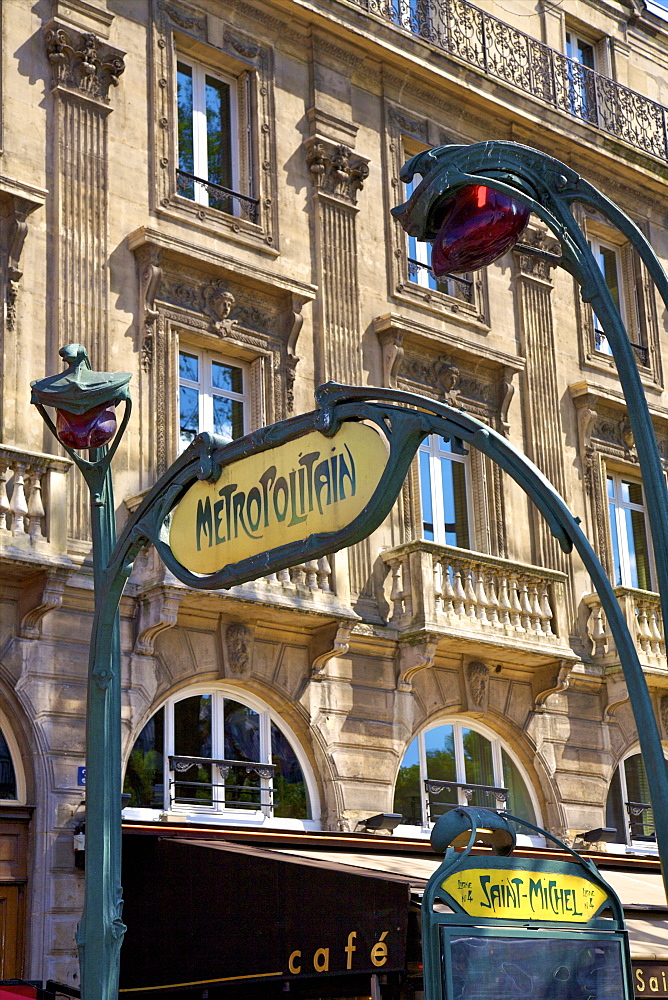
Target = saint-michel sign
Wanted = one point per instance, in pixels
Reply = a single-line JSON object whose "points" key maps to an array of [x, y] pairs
{"points": [[313, 484]]}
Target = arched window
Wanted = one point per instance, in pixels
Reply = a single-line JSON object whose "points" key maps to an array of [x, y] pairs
{"points": [[8, 784], [207, 752], [453, 764], [628, 808]]}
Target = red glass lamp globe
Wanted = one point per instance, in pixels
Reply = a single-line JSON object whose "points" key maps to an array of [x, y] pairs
{"points": [[91, 429], [479, 225]]}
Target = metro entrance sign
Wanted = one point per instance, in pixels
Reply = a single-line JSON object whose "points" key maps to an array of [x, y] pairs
{"points": [[227, 513], [518, 927]]}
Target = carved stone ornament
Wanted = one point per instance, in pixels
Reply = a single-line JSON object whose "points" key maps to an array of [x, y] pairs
{"points": [[238, 649], [549, 680], [448, 377], [546, 255], [336, 170], [39, 599], [14, 232], [184, 19], [157, 610], [150, 275], [413, 656], [335, 645], [81, 62], [219, 303], [476, 676]]}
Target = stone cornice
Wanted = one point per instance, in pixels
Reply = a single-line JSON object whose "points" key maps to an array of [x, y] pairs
{"points": [[199, 256]]}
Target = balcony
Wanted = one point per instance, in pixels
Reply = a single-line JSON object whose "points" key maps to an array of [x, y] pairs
{"points": [[504, 53], [642, 611], [33, 505], [477, 599]]}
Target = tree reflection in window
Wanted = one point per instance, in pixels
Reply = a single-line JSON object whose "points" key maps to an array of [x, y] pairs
{"points": [[477, 767], [214, 727]]}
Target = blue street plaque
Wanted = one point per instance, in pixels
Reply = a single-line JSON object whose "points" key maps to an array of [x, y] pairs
{"points": [[81, 775]]}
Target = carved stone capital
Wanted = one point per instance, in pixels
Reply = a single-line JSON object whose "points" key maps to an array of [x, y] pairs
{"points": [[328, 643], [238, 643], [414, 655], [44, 595], [537, 262], [157, 610], [82, 63], [335, 169]]}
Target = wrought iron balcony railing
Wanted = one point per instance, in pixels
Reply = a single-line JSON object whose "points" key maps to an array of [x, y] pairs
{"points": [[221, 784], [641, 821], [462, 793], [451, 284], [505, 53], [222, 198]]}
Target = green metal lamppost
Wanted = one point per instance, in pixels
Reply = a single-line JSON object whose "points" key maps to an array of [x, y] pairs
{"points": [[473, 202], [84, 401]]}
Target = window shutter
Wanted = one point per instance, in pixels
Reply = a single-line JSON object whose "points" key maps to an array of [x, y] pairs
{"points": [[632, 283]]}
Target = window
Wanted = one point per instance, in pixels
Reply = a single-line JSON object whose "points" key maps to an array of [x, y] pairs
{"points": [[419, 264], [580, 78], [207, 752], [452, 764], [628, 807], [444, 492], [213, 396], [608, 259], [629, 532], [213, 149]]}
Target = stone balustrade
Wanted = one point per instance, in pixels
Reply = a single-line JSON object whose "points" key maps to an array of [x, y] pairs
{"points": [[642, 611], [314, 575], [33, 500], [442, 588]]}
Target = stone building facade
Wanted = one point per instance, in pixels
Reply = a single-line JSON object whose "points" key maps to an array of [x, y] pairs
{"points": [[200, 192]]}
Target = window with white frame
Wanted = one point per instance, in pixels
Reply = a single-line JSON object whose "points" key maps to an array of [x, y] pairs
{"points": [[213, 140], [621, 269], [444, 492], [213, 396], [608, 258], [629, 532], [452, 763], [628, 808], [580, 78], [211, 752]]}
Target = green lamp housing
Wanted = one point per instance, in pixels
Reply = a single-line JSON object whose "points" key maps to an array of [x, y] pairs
{"points": [[84, 400]]}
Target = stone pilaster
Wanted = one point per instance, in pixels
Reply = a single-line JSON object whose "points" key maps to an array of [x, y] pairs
{"points": [[541, 392], [84, 69]]}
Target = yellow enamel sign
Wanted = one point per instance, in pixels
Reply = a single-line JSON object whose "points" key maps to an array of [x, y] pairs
{"points": [[282, 495], [518, 895]]}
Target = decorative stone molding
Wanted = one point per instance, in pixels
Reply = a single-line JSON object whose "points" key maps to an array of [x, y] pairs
{"points": [[616, 694], [238, 644], [336, 641], [476, 684], [414, 655], [335, 170], [157, 610], [45, 594], [549, 680], [219, 302], [184, 18], [80, 62], [17, 202], [149, 260]]}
